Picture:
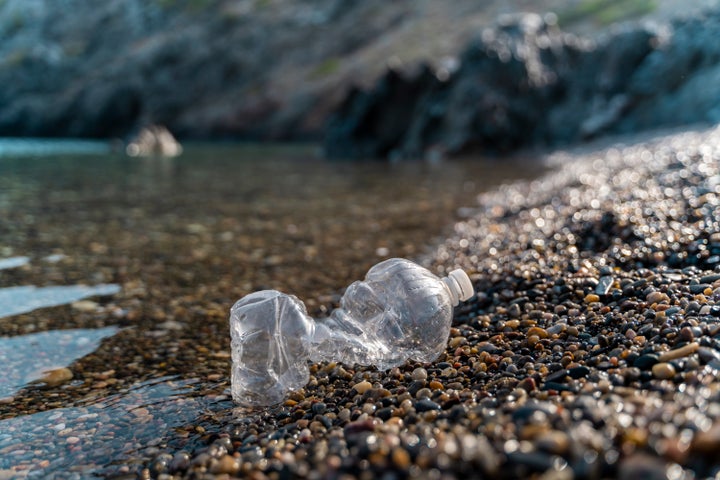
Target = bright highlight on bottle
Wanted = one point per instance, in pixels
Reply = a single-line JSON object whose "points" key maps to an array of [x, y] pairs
{"points": [[400, 312]]}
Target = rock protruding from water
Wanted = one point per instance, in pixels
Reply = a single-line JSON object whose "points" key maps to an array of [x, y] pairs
{"points": [[525, 82], [154, 140]]}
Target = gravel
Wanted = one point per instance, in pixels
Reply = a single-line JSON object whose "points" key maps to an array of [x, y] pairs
{"points": [[590, 351]]}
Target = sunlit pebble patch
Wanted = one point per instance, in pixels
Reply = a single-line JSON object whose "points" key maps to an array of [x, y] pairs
{"points": [[591, 350]]}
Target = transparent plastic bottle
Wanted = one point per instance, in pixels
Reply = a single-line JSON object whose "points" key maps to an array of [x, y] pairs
{"points": [[400, 311]]}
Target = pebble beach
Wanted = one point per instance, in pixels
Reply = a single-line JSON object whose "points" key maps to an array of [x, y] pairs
{"points": [[590, 351]]}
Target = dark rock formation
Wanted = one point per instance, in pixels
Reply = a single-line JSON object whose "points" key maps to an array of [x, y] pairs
{"points": [[526, 83], [260, 69]]}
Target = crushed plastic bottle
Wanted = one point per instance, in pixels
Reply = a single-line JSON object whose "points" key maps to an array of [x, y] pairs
{"points": [[400, 312]]}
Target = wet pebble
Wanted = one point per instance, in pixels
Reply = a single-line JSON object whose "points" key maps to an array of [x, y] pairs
{"points": [[663, 370], [419, 374], [425, 404], [646, 362]]}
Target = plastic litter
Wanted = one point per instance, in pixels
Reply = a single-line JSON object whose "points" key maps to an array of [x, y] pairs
{"points": [[400, 311]]}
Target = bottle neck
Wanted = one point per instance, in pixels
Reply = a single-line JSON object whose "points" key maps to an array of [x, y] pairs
{"points": [[459, 286]]}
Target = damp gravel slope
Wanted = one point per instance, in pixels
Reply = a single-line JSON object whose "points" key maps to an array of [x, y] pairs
{"points": [[590, 351]]}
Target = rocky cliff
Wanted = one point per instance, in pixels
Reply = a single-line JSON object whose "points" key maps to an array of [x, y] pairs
{"points": [[277, 69], [262, 69], [525, 82]]}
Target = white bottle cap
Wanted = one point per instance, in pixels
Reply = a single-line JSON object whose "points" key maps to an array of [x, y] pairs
{"points": [[463, 281], [459, 285]]}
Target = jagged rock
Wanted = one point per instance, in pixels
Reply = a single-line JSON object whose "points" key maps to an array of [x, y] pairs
{"points": [[525, 82]]}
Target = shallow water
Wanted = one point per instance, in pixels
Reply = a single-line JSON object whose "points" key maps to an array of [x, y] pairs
{"points": [[26, 298], [25, 358], [184, 238], [13, 262]]}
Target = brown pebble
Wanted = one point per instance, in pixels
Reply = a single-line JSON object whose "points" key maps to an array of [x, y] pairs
{"points": [[362, 387], [656, 297], [513, 324], [55, 377], [72, 440], [401, 458], [226, 464], [663, 370], [528, 384], [540, 332], [592, 298], [681, 352], [435, 385]]}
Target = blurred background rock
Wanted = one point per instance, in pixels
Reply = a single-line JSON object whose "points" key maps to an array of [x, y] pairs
{"points": [[243, 69]]}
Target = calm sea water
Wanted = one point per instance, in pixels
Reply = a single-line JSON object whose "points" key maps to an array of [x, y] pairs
{"points": [[181, 239]]}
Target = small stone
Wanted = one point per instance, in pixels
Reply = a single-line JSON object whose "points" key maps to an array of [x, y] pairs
{"points": [[85, 306], [435, 385], [708, 354], [558, 376], [425, 405], [663, 371], [419, 374], [57, 376], [401, 458], [319, 408], [712, 278], [423, 393], [362, 387], [226, 464], [72, 440], [656, 297], [528, 384], [699, 288], [592, 298], [681, 352], [540, 332], [578, 372], [604, 285], [646, 362]]}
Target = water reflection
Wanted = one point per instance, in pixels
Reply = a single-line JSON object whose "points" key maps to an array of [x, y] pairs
{"points": [[26, 298], [25, 358]]}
